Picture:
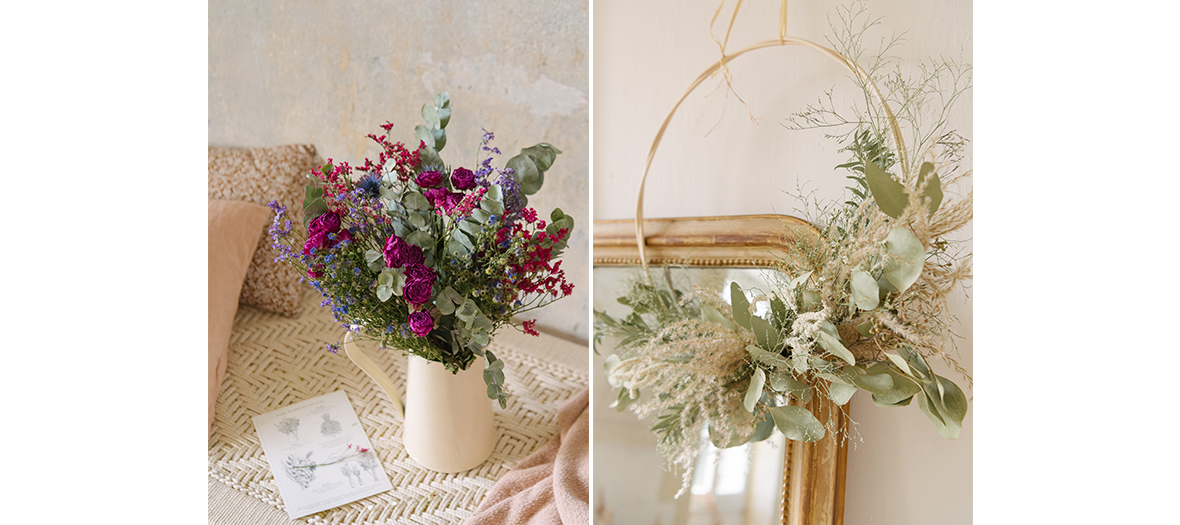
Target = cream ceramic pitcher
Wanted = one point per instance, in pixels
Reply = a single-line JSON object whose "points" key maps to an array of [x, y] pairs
{"points": [[447, 418]]}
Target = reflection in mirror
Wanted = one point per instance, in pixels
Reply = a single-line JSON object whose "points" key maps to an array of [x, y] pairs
{"points": [[739, 485]]}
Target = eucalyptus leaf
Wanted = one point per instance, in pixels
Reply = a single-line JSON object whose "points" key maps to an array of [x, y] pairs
{"points": [[766, 335], [424, 134], [709, 314], [916, 361], [907, 257], [444, 117], [865, 329], [470, 226], [482, 323], [840, 392], [797, 423], [416, 201], [933, 190], [463, 239], [783, 382], [763, 430], [873, 383], [754, 393], [494, 193], [952, 406], [900, 362], [373, 255], [430, 115], [449, 295], [442, 99], [468, 310], [741, 306], [420, 239], [528, 176], [440, 139], [385, 279], [890, 195], [429, 156], [799, 280], [864, 290], [770, 359], [456, 248], [542, 155], [833, 346], [886, 403], [384, 293], [930, 408], [492, 207], [417, 220], [313, 203]]}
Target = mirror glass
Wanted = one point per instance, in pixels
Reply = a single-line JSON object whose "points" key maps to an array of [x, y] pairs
{"points": [[740, 485]]}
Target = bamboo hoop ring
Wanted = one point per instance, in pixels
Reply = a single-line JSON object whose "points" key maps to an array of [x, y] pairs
{"points": [[781, 41]]}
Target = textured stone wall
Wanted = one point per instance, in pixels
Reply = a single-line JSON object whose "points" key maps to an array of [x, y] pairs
{"points": [[329, 73]]}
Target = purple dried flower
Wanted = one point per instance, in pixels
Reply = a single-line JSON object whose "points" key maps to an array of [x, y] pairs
{"points": [[429, 179], [418, 271], [511, 191], [399, 253], [463, 179], [417, 291], [421, 323], [326, 222]]}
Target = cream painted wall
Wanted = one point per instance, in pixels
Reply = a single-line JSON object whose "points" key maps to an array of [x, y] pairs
{"points": [[645, 56], [331, 72]]}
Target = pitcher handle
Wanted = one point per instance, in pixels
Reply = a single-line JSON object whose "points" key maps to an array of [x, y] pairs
{"points": [[370, 367]]}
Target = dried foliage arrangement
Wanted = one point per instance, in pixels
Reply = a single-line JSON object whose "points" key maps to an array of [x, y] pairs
{"points": [[863, 305]]}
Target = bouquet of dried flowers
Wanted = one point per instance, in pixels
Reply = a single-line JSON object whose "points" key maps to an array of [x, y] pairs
{"points": [[863, 305], [429, 259]]}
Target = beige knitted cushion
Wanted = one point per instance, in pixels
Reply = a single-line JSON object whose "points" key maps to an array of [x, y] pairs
{"points": [[260, 175]]}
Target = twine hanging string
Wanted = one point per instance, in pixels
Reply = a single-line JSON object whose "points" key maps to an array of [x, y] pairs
{"points": [[783, 40]]}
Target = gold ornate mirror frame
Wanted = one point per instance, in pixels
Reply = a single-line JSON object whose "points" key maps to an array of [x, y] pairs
{"points": [[813, 473]]}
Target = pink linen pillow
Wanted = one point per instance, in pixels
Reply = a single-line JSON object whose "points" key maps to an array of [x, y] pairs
{"points": [[234, 229], [260, 175]]}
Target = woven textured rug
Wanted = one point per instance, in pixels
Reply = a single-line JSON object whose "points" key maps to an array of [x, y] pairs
{"points": [[276, 361]]}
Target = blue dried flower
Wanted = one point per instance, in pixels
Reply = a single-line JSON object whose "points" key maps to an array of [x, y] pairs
{"points": [[370, 186]]}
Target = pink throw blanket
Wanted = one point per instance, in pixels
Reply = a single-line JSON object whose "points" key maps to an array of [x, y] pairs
{"points": [[553, 484]]}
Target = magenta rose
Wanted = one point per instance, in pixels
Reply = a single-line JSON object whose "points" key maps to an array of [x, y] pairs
{"points": [[436, 196], [452, 200], [429, 179], [317, 240], [421, 323], [417, 291], [417, 271], [399, 253], [344, 235], [462, 179], [326, 222]]}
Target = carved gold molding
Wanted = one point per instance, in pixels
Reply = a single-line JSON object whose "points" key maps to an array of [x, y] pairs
{"points": [[742, 241]]}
